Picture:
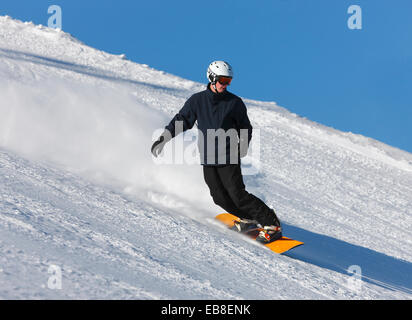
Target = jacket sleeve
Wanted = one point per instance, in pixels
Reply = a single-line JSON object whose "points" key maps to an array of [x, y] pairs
{"points": [[244, 129], [184, 119], [243, 121]]}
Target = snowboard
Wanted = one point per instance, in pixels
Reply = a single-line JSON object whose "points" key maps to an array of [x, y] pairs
{"points": [[279, 246]]}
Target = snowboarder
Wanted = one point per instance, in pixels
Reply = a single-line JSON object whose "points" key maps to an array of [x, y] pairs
{"points": [[214, 109]]}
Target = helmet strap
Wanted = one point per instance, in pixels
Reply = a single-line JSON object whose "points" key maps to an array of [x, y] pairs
{"points": [[214, 86], [213, 79]]}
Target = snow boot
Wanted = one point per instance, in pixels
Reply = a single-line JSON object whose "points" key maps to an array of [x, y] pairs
{"points": [[272, 232], [246, 225]]}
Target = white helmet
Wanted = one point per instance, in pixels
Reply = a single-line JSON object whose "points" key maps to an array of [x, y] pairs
{"points": [[218, 68]]}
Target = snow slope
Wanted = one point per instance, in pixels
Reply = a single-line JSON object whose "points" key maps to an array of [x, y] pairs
{"points": [[79, 191]]}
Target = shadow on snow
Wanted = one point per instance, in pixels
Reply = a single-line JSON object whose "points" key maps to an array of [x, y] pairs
{"points": [[77, 68], [337, 255]]}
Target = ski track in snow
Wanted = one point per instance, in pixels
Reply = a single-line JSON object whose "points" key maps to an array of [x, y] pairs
{"points": [[79, 190]]}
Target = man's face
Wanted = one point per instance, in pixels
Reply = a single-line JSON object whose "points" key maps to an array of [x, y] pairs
{"points": [[220, 87]]}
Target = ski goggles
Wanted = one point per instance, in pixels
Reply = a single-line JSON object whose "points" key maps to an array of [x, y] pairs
{"points": [[224, 80]]}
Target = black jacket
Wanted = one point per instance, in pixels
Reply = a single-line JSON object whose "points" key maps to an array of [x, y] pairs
{"points": [[213, 112]]}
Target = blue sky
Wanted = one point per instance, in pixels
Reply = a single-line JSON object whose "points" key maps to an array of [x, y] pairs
{"points": [[298, 53]]}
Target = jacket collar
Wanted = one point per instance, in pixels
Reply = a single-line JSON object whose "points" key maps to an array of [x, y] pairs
{"points": [[216, 97]]}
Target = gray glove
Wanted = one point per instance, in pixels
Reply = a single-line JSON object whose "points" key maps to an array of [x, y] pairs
{"points": [[159, 144]]}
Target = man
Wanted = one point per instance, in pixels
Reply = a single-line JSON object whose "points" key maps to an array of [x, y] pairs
{"points": [[222, 113]]}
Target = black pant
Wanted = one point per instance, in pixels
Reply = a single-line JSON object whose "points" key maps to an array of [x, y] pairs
{"points": [[228, 191]]}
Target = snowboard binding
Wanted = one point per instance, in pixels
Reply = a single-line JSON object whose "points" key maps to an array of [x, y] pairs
{"points": [[269, 234]]}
